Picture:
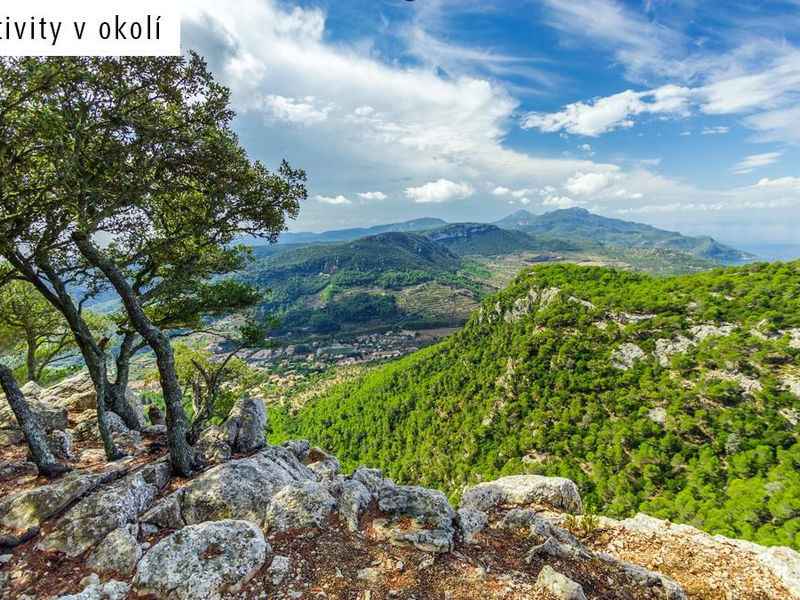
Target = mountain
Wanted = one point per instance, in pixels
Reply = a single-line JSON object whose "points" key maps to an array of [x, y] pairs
{"points": [[678, 397], [579, 222], [341, 235], [384, 279], [490, 240]]}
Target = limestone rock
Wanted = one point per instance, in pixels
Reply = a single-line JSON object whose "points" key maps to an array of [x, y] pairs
{"points": [[8, 437], [326, 468], [278, 568], [418, 517], [523, 490], [245, 425], [49, 416], [30, 507], [647, 579], [372, 479], [95, 590], [354, 500], [89, 521], [557, 584], [626, 356], [239, 489], [213, 444], [75, 393], [18, 468], [60, 444], [119, 552], [298, 505], [300, 448], [202, 561], [470, 523]]}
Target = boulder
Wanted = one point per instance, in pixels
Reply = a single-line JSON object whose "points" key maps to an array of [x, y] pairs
{"points": [[278, 568], [372, 479], [300, 448], [523, 490], [30, 507], [95, 590], [299, 505], [246, 424], [155, 415], [418, 517], [213, 444], [326, 467], [202, 561], [558, 585], [75, 393], [9, 437], [354, 500], [650, 580], [118, 553], [120, 503], [237, 489], [470, 523], [50, 417], [18, 468], [60, 444]]}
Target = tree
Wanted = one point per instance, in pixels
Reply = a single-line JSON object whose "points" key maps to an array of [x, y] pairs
{"points": [[42, 333], [137, 152]]}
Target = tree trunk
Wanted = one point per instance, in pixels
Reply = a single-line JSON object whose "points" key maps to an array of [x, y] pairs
{"points": [[30, 359], [34, 434], [93, 356], [185, 461], [115, 392]]}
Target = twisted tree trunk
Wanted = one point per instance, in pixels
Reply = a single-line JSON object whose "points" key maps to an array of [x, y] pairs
{"points": [[34, 434]]}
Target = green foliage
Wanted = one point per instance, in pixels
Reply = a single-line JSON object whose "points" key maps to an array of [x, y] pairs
{"points": [[529, 386]]}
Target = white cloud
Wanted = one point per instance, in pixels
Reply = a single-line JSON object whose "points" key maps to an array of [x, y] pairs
{"points": [[789, 182], [755, 161], [588, 184], [500, 191], [442, 190], [305, 111], [376, 195], [562, 202], [720, 129], [611, 112], [332, 200]]}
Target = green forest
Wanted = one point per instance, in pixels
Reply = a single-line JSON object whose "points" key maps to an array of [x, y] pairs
{"points": [[704, 433]]}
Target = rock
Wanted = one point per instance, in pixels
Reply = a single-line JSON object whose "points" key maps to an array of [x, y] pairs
{"points": [[165, 513], [470, 523], [213, 444], [665, 348], [647, 579], [94, 590], [155, 415], [202, 561], [154, 430], [369, 574], [239, 489], [354, 500], [119, 552], [325, 469], [86, 428], [120, 503], [371, 478], [75, 393], [9, 437], [60, 444], [6, 558], [18, 468], [557, 584], [299, 448], [30, 507], [299, 505], [626, 356], [278, 568], [31, 389], [417, 517], [50, 417], [523, 490], [246, 424]]}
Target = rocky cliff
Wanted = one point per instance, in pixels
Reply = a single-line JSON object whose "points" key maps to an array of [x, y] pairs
{"points": [[283, 522]]}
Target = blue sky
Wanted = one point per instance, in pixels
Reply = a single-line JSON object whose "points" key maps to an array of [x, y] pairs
{"points": [[684, 114]]}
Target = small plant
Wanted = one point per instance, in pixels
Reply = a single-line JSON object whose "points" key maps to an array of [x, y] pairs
{"points": [[584, 524]]}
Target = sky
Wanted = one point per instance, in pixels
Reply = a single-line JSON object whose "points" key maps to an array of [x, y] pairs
{"points": [[683, 114]]}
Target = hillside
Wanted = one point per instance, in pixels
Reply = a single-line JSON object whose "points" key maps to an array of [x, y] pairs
{"points": [[579, 222], [490, 240], [342, 235], [678, 397], [286, 522]]}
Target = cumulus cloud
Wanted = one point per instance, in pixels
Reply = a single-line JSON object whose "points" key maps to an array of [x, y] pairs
{"points": [[611, 112], [500, 191], [562, 202], [588, 184], [332, 200], [305, 111], [754, 161], [375, 195], [441, 190]]}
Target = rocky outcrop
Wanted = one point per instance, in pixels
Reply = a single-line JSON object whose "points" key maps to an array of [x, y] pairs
{"points": [[118, 552], [50, 417], [245, 425], [299, 505], [116, 505], [202, 561], [28, 508], [418, 517], [523, 490], [626, 356], [558, 585]]}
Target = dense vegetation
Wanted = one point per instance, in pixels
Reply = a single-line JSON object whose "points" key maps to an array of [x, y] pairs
{"points": [[705, 434]]}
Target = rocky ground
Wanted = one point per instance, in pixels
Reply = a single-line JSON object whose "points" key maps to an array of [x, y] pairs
{"points": [[284, 523]]}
